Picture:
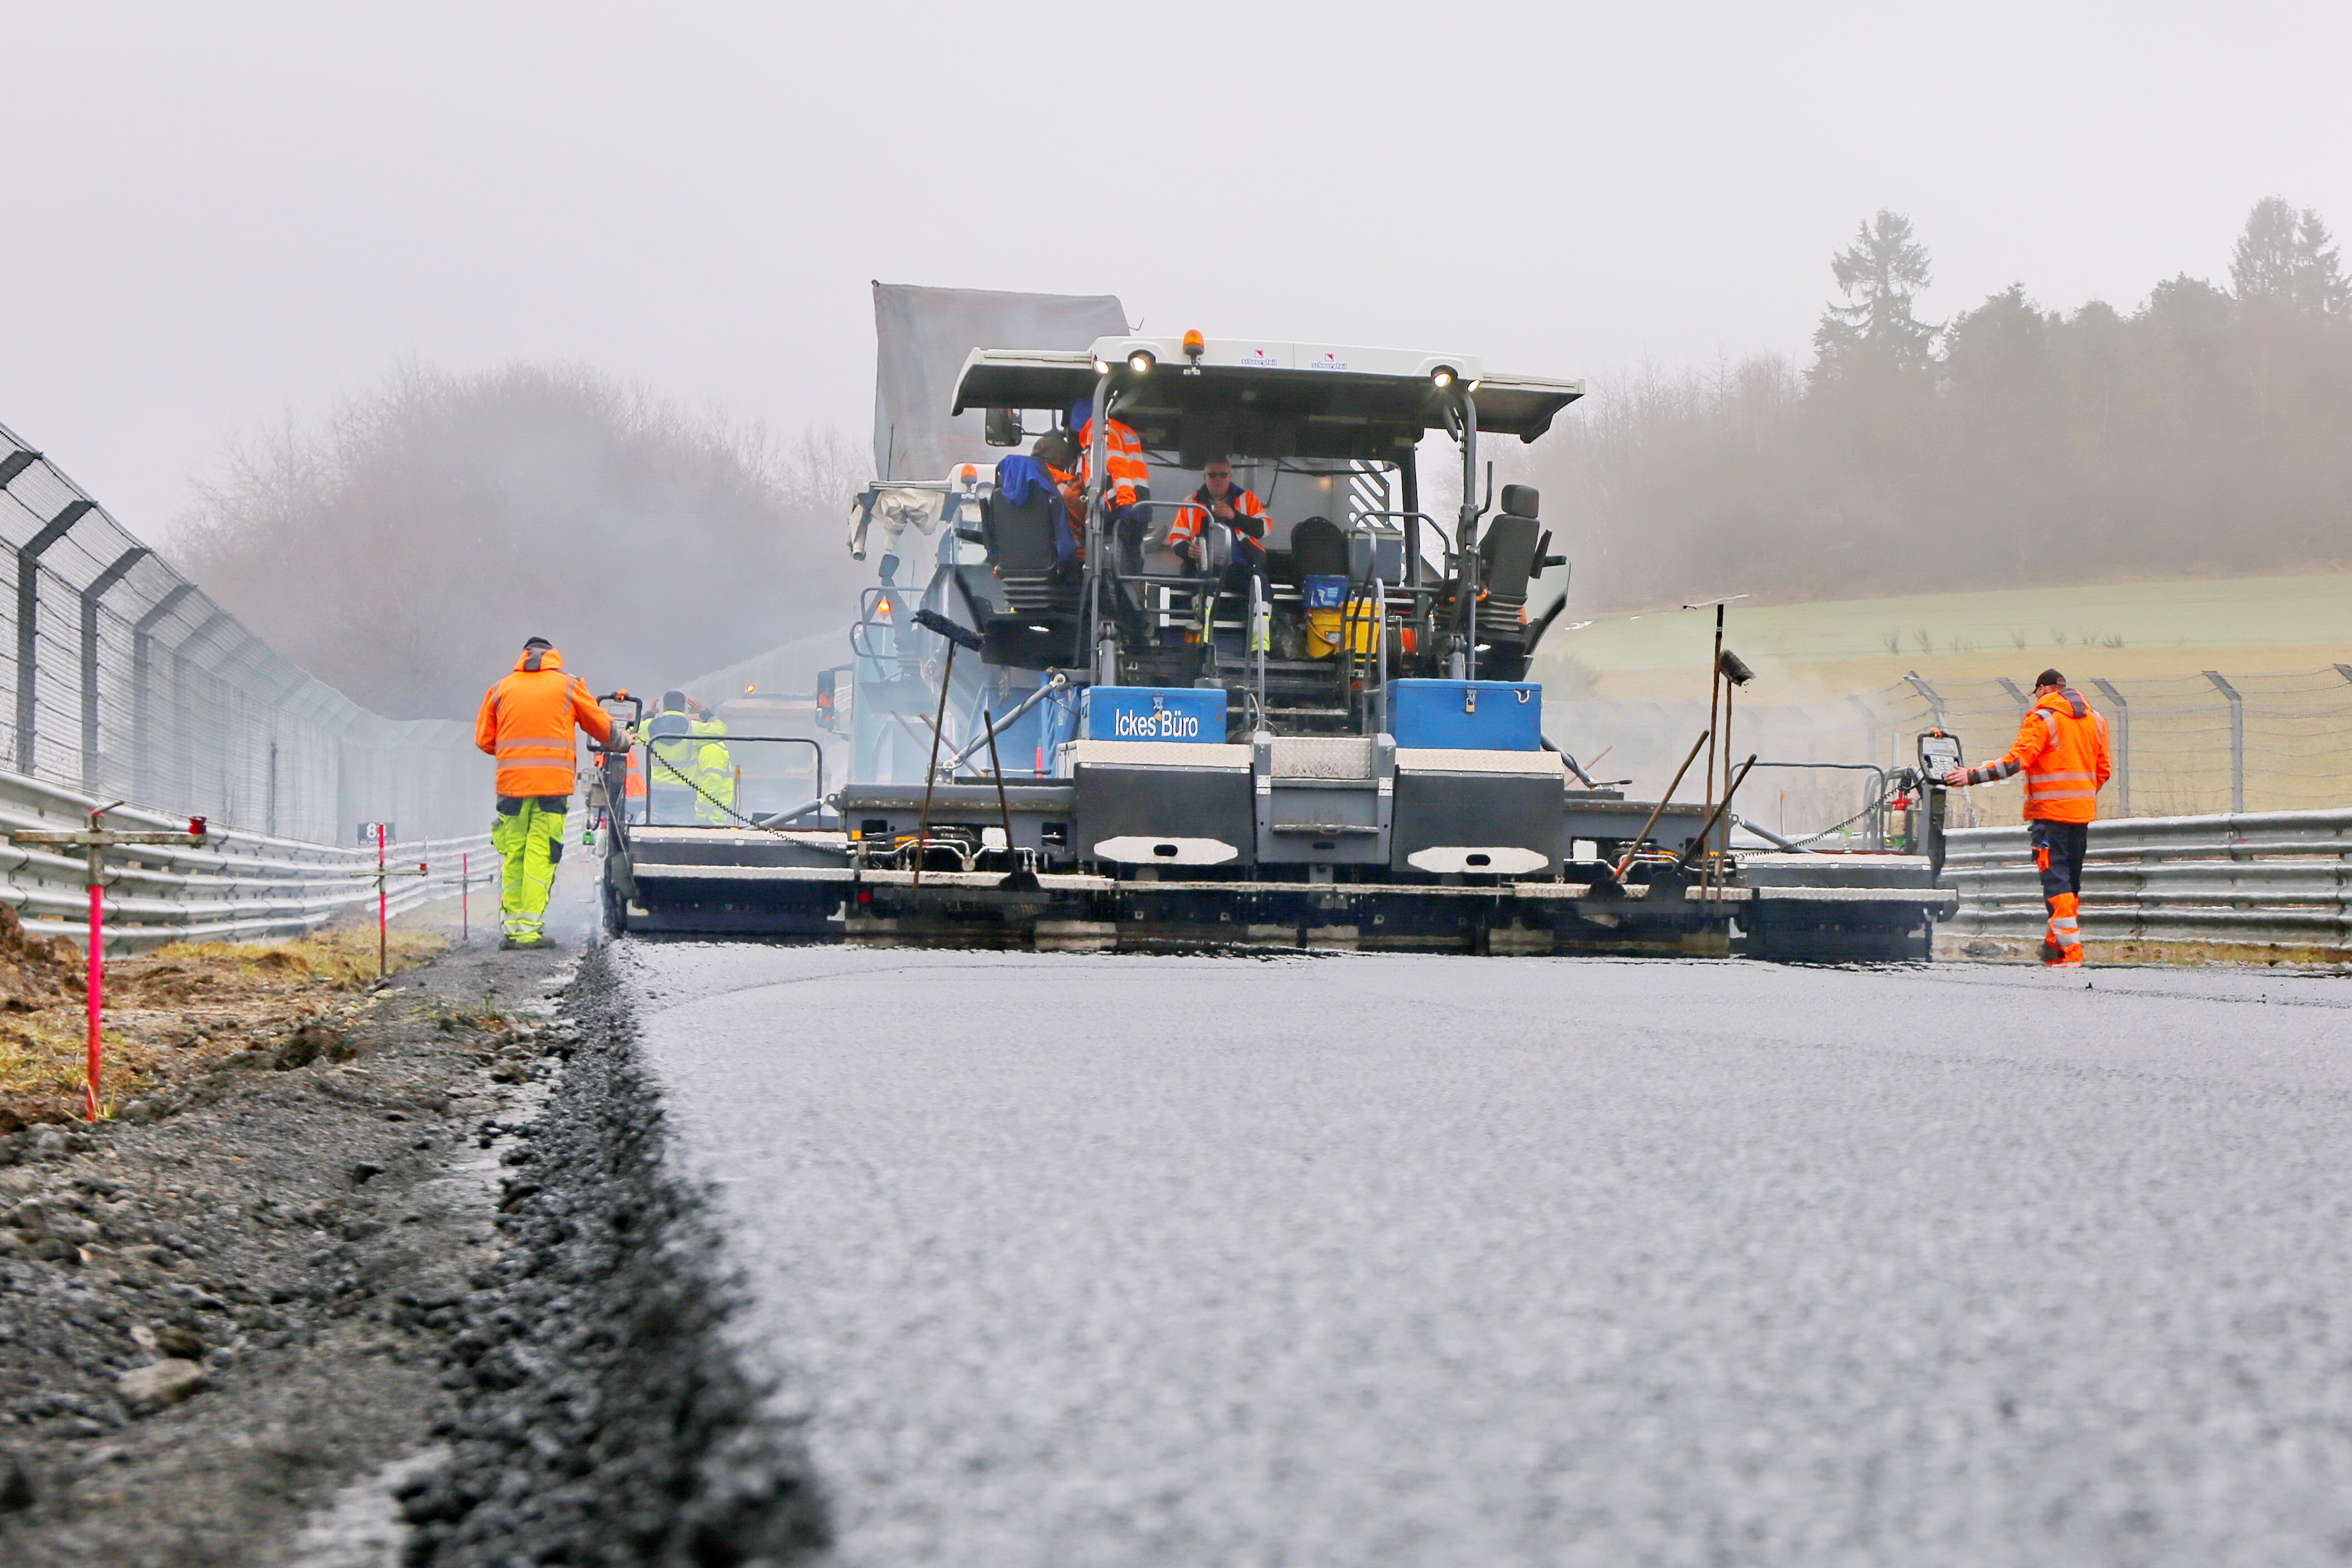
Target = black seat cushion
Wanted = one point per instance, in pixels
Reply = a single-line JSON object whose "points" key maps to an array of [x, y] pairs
{"points": [[1320, 548], [1021, 537], [1506, 555]]}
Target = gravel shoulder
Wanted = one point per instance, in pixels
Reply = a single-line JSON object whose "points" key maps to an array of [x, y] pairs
{"points": [[214, 1312]]}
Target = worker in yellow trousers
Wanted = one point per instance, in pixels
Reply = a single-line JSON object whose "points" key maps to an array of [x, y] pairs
{"points": [[527, 723]]}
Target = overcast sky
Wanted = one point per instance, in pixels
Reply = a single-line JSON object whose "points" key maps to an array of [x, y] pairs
{"points": [[219, 214]]}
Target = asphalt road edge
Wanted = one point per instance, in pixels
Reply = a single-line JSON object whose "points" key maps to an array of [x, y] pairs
{"points": [[604, 1416]]}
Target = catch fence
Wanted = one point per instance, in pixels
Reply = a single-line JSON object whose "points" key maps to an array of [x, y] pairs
{"points": [[125, 681], [2211, 742]]}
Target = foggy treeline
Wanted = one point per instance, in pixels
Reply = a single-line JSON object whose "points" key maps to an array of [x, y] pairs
{"points": [[403, 548], [2204, 431]]}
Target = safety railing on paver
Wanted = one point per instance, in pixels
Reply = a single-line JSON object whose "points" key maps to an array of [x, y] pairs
{"points": [[240, 886], [2277, 879]]}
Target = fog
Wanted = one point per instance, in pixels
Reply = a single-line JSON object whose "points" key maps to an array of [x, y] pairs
{"points": [[221, 214], [437, 519], [2196, 428], [230, 223]]}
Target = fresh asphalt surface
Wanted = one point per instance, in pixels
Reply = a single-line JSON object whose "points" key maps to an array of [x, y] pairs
{"points": [[1370, 1259]]}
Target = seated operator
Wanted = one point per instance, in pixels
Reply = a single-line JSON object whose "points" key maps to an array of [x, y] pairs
{"points": [[1126, 480], [1219, 501], [1046, 471], [1222, 506], [1057, 454]]}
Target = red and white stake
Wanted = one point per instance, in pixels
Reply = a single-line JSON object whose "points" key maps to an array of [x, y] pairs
{"points": [[94, 842], [382, 911], [97, 986]]}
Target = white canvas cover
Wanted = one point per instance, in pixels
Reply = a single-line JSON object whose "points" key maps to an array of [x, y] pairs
{"points": [[921, 339]]}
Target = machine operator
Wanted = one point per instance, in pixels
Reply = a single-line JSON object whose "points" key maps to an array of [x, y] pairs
{"points": [[1219, 499], [1126, 479]]}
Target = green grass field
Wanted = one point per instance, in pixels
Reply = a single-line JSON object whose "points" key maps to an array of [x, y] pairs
{"points": [[2126, 629], [1832, 684]]}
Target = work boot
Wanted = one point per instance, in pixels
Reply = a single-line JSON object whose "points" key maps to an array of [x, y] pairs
{"points": [[2068, 958], [2052, 953]]}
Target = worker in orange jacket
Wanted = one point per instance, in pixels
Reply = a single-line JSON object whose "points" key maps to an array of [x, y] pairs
{"points": [[2062, 750], [526, 723], [1220, 501], [1126, 479]]}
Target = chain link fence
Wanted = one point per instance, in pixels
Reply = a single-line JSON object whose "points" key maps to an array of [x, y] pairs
{"points": [[126, 681], [2184, 744]]}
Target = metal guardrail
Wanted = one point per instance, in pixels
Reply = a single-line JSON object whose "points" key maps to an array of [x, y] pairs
{"points": [[2274, 879], [240, 886]]}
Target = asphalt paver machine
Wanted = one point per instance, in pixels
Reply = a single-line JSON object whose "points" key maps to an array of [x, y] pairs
{"points": [[1137, 746]]}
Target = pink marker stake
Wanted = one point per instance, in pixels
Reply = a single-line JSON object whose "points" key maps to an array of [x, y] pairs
{"points": [[382, 911], [97, 986]]}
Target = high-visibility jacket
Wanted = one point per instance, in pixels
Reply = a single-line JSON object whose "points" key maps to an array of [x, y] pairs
{"points": [[526, 723], [714, 773], [1072, 545], [1248, 524], [1123, 467], [2062, 750], [691, 761]]}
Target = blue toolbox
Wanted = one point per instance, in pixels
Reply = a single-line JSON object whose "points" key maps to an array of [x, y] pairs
{"points": [[1467, 715], [1152, 713], [1319, 591]]}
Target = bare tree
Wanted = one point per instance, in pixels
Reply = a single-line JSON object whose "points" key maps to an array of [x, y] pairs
{"points": [[403, 547]]}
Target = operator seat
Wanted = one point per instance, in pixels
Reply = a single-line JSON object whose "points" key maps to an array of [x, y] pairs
{"points": [[1319, 548], [1507, 561], [1041, 592]]}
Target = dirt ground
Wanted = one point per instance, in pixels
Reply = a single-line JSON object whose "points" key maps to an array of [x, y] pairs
{"points": [[177, 1011], [224, 1304]]}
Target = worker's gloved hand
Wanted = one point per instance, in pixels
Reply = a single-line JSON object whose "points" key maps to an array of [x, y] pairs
{"points": [[1958, 778]]}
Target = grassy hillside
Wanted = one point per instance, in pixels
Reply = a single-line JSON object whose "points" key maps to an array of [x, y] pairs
{"points": [[2125, 630]]}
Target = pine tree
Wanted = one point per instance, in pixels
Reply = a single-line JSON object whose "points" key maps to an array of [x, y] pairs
{"points": [[1879, 274], [2284, 259]]}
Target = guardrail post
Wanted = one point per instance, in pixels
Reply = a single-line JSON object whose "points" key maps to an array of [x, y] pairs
{"points": [[2237, 738], [89, 598], [28, 624], [2123, 744]]}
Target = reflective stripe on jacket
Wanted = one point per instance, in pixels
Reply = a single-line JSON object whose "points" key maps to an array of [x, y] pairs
{"points": [[527, 721], [1122, 462], [1248, 524], [2062, 750]]}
